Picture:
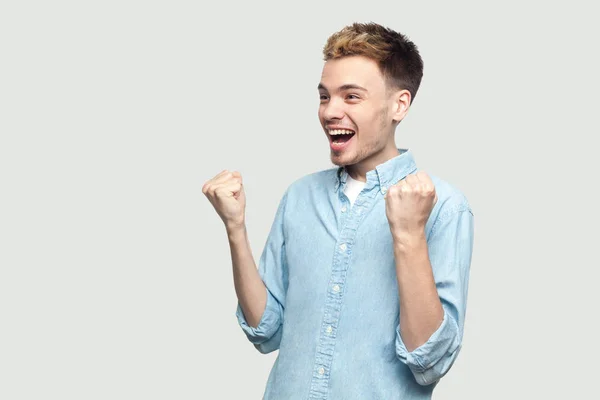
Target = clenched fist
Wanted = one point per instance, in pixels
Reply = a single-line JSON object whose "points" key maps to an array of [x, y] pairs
{"points": [[409, 203], [226, 193]]}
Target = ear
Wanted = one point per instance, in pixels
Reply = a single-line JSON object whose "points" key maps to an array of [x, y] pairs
{"points": [[401, 99]]}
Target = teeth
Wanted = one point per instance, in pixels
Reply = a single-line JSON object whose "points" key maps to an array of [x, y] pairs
{"points": [[340, 132]]}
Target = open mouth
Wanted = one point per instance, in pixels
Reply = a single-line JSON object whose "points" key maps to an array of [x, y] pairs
{"points": [[339, 137]]}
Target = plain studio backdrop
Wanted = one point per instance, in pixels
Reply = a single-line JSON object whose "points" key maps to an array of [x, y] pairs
{"points": [[115, 270]]}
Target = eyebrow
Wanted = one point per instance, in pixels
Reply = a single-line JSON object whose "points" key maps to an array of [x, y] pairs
{"points": [[347, 86]]}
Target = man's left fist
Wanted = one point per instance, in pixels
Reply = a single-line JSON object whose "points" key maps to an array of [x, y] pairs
{"points": [[409, 203]]}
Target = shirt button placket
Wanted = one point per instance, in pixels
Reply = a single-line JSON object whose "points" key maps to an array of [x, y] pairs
{"points": [[350, 217], [324, 358]]}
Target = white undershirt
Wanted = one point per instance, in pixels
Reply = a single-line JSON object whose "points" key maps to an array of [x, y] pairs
{"points": [[353, 188]]}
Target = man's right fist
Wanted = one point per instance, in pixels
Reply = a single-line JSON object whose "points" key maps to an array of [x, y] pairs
{"points": [[226, 193]]}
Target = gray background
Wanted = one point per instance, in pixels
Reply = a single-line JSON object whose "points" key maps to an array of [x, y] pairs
{"points": [[115, 274]]}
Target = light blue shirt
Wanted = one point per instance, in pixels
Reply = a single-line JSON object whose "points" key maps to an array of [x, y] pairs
{"points": [[332, 294]]}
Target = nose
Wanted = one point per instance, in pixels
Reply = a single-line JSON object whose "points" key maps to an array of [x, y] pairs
{"points": [[333, 109]]}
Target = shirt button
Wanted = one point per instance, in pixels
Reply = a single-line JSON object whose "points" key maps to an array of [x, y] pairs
{"points": [[336, 288], [383, 190], [329, 329], [321, 371], [344, 209], [343, 246]]}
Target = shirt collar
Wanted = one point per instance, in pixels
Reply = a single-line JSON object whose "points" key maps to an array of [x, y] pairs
{"points": [[386, 174]]}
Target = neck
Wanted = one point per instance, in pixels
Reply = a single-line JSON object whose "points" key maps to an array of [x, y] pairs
{"points": [[359, 170]]}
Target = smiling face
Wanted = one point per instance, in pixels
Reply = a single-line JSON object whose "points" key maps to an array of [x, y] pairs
{"points": [[359, 113]]}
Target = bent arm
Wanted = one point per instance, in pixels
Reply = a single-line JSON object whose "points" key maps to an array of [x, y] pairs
{"points": [[449, 250], [261, 292]]}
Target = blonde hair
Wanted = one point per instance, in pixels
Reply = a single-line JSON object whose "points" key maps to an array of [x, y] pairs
{"points": [[398, 58]]}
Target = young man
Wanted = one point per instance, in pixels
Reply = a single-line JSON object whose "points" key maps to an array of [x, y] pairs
{"points": [[362, 284]]}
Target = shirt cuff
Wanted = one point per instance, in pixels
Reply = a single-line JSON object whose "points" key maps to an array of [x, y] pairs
{"points": [[430, 361], [268, 325]]}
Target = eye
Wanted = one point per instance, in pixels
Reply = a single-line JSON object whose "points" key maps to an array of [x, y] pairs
{"points": [[353, 97], [323, 97]]}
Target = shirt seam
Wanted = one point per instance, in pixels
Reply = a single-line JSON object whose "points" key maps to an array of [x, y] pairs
{"points": [[454, 210]]}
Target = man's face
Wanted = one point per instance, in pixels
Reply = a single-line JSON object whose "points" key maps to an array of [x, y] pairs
{"points": [[356, 111]]}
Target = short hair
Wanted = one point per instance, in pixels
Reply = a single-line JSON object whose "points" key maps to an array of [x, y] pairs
{"points": [[398, 58]]}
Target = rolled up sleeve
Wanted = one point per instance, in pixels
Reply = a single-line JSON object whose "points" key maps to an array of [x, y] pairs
{"points": [[272, 268], [270, 323], [450, 245]]}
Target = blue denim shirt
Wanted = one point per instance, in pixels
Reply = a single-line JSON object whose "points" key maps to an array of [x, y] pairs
{"points": [[332, 294]]}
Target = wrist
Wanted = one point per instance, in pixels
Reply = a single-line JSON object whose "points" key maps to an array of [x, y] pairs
{"points": [[409, 239], [235, 231]]}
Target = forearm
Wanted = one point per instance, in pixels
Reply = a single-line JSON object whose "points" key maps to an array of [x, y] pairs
{"points": [[421, 312], [249, 287]]}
